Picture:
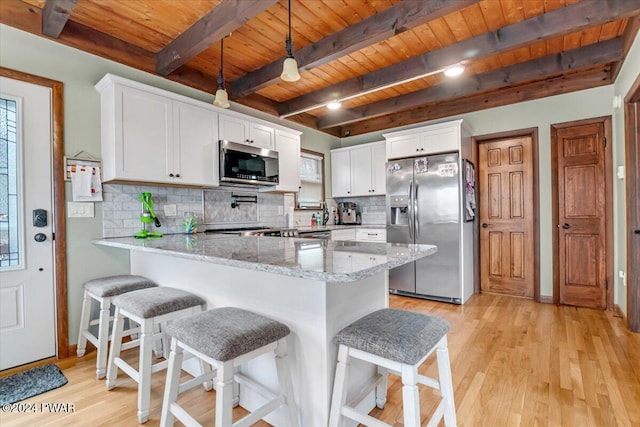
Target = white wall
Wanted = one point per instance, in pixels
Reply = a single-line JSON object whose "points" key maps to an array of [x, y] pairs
{"points": [[542, 113], [80, 71]]}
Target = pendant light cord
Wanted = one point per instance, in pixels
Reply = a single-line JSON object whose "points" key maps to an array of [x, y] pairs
{"points": [[220, 75], [288, 41]]}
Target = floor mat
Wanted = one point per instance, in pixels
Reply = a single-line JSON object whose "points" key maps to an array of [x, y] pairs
{"points": [[33, 382]]}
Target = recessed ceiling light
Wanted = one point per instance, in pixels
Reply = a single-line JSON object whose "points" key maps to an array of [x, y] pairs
{"points": [[454, 71], [334, 105]]}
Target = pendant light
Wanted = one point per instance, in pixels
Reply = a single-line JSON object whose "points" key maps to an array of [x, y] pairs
{"points": [[222, 98], [290, 67]]}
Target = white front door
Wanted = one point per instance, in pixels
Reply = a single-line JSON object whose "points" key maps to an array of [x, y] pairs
{"points": [[27, 298]]}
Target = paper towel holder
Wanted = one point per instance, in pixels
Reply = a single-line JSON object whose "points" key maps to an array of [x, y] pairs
{"points": [[81, 158]]}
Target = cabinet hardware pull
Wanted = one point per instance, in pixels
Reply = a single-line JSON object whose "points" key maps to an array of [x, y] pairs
{"points": [[171, 175], [485, 225], [177, 175]]}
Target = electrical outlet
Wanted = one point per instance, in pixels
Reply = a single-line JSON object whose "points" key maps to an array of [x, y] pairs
{"points": [[170, 210], [80, 210]]}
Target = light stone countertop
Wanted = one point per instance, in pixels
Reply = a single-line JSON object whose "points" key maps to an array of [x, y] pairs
{"points": [[315, 259]]}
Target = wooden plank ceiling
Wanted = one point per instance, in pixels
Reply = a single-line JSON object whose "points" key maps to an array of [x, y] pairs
{"points": [[382, 58]]}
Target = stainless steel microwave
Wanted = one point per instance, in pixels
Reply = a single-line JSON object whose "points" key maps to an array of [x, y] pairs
{"points": [[247, 164]]}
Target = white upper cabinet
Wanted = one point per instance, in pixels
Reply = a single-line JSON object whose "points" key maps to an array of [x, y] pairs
{"points": [[149, 137], [359, 170], [432, 139], [196, 135], [241, 130], [288, 147], [341, 173]]}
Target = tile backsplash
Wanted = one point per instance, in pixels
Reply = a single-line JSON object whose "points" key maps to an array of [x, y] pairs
{"points": [[212, 208]]}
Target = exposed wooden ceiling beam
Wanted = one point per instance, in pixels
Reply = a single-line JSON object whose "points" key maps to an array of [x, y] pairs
{"points": [[540, 68], [629, 36], [559, 22], [401, 17], [219, 22], [510, 95], [55, 15]]}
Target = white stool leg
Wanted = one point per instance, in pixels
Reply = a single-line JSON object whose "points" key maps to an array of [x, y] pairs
{"points": [[284, 378], [144, 385], [173, 384], [381, 390], [224, 394], [410, 396], [116, 346], [446, 385], [339, 396], [85, 318], [103, 337]]}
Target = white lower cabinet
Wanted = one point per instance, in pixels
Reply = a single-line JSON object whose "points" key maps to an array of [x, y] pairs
{"points": [[343, 234], [371, 235]]}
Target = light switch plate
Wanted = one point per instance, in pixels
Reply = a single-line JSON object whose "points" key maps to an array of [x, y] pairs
{"points": [[80, 210], [170, 210], [620, 172]]}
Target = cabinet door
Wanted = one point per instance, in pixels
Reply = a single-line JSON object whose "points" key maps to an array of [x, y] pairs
{"points": [[288, 147], [233, 129], [343, 234], [341, 173], [262, 136], [196, 136], [144, 135], [361, 171], [378, 169], [440, 140], [403, 146]]}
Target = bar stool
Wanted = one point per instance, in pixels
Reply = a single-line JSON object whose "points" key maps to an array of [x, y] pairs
{"points": [[225, 338], [103, 290], [149, 308], [398, 342]]}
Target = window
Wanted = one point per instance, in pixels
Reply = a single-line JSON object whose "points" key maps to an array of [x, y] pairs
{"points": [[9, 202], [311, 193]]}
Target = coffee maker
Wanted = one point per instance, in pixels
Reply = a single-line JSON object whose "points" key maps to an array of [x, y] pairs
{"points": [[347, 213]]}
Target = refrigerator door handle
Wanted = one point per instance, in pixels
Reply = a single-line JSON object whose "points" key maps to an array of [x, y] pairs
{"points": [[410, 207], [416, 212]]}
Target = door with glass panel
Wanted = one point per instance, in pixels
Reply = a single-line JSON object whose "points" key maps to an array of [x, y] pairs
{"points": [[27, 297]]}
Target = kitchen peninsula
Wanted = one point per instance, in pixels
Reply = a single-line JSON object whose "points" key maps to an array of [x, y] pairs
{"points": [[316, 287]]}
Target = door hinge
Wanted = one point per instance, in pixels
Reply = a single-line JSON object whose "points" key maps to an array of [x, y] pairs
{"points": [[606, 284], [53, 236], [605, 141]]}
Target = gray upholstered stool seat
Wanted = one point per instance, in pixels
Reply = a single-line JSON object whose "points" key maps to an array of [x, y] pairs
{"points": [[224, 338], [226, 333], [147, 303], [115, 285], [397, 342], [399, 335], [102, 290], [152, 309]]}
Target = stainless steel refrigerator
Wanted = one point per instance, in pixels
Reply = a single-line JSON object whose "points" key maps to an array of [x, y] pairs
{"points": [[424, 205]]}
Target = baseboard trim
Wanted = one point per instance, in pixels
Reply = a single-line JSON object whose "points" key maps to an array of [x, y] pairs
{"points": [[546, 299], [618, 312]]}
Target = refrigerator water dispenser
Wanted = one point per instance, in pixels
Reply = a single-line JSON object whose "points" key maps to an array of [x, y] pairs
{"points": [[399, 210]]}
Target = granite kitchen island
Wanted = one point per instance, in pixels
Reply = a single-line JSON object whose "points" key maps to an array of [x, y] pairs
{"points": [[316, 287]]}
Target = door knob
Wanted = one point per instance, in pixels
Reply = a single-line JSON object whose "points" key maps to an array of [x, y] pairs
{"points": [[566, 226], [485, 225], [40, 237]]}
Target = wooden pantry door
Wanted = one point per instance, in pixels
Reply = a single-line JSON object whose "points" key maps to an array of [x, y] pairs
{"points": [[507, 216], [582, 200]]}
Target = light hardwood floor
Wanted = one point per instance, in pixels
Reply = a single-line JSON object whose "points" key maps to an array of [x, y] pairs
{"points": [[514, 362]]}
